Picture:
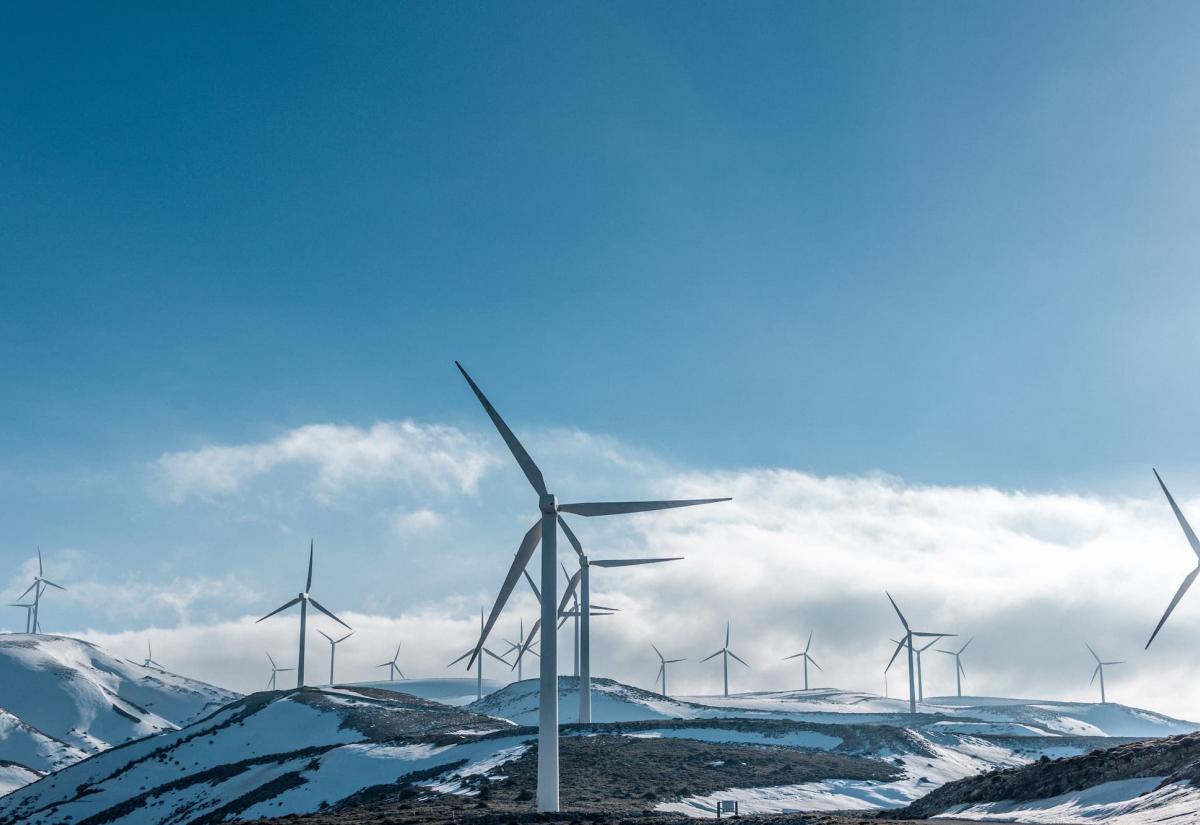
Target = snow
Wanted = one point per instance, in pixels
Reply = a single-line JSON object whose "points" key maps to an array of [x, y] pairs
{"points": [[807, 739], [454, 691], [1123, 802]]}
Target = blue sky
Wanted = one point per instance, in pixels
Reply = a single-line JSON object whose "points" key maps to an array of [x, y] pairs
{"points": [[950, 242]]}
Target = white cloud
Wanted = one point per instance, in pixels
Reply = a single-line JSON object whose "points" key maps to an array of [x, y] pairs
{"points": [[410, 522], [443, 459]]}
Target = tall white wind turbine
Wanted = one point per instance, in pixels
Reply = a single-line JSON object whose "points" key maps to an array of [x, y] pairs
{"points": [[150, 658], [304, 599], [40, 583], [585, 613], [392, 667], [907, 642], [545, 530], [959, 673], [333, 643], [1191, 577], [274, 670], [725, 653], [663, 661], [1100, 671], [804, 654]]}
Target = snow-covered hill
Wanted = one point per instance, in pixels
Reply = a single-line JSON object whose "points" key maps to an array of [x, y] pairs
{"points": [[450, 690], [62, 699], [270, 754]]}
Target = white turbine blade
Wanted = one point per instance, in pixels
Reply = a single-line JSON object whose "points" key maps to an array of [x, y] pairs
{"points": [[35, 584], [659, 652], [1089, 647], [793, 656], [326, 635], [962, 670], [39, 562], [726, 634], [1183, 588], [1121, 662], [280, 609], [526, 463], [571, 538], [566, 575], [308, 581], [1187, 528], [739, 658], [272, 662], [52, 584], [673, 661], [662, 667], [947, 652], [813, 662], [497, 657], [899, 647], [536, 593], [903, 620], [389, 664], [1094, 672], [397, 654], [344, 638], [937, 635], [529, 543], [596, 607], [807, 646], [615, 508], [718, 653], [968, 644], [529, 638], [285, 670], [571, 585], [629, 562], [452, 664], [318, 606]]}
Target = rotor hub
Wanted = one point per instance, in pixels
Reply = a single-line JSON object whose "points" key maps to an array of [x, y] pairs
{"points": [[548, 504]]}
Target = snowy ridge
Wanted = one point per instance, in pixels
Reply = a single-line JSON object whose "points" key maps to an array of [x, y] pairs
{"points": [[270, 754], [63, 699]]}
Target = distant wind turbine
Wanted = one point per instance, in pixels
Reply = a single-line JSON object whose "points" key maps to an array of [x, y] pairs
{"points": [[1191, 577], [478, 660], [392, 667], [574, 613], [725, 653], [40, 583], [333, 643], [807, 659], [1099, 670], [519, 647], [545, 530], [28, 615], [275, 669], [663, 661], [304, 599], [921, 670], [907, 642], [150, 658], [959, 673]]}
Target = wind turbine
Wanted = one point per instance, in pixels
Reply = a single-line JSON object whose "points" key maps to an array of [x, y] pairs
{"points": [[907, 641], [725, 653], [1191, 577], [28, 615], [807, 659], [520, 648], [585, 613], [662, 668], [304, 599], [275, 669], [333, 643], [545, 530], [959, 673], [574, 613], [921, 670], [150, 658], [478, 660], [40, 583], [392, 667], [1099, 670]]}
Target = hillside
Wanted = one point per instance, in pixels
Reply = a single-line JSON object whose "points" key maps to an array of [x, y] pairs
{"points": [[64, 699]]}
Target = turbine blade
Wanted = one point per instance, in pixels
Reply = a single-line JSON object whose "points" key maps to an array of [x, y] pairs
{"points": [[968, 644], [285, 670], [514, 446], [308, 581], [529, 638], [344, 638], [895, 653], [271, 660], [571, 585], [39, 562], [52, 584], [318, 606], [793, 656], [35, 584], [1187, 528], [1094, 672], [452, 664], [1183, 588], [726, 634], [903, 620], [494, 656], [326, 635], [571, 538], [673, 661], [659, 652], [937, 635], [1120, 662], [529, 543], [962, 670], [280, 609], [807, 646], [536, 593], [1089, 647], [628, 562], [739, 658], [706, 658], [614, 508], [813, 662]]}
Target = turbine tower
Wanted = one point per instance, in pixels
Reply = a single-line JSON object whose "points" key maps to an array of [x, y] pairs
{"points": [[304, 600], [574, 614], [28, 615], [1099, 670], [907, 641], [545, 530], [725, 653], [478, 660], [275, 669], [333, 643], [1191, 577], [40, 583], [585, 613], [921, 670], [807, 659], [150, 658], [959, 673], [392, 667], [663, 661]]}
